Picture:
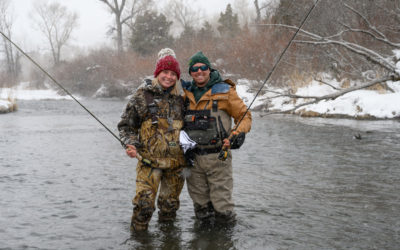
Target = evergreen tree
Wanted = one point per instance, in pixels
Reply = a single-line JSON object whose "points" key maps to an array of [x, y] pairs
{"points": [[188, 33], [229, 22], [207, 32], [150, 32]]}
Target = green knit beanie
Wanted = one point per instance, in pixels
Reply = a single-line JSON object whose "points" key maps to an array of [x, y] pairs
{"points": [[199, 57]]}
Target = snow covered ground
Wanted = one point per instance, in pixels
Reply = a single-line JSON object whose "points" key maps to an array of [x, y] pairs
{"points": [[23, 92], [361, 103], [357, 104], [5, 106]]}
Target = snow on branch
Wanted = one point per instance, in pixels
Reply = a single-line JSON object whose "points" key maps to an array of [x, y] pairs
{"points": [[308, 37]]}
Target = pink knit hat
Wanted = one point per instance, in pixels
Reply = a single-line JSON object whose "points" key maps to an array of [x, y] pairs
{"points": [[167, 61]]}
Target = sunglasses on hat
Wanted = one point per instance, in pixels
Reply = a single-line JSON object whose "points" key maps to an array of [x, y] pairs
{"points": [[196, 68]]}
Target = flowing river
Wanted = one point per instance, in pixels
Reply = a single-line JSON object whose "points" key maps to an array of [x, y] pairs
{"points": [[299, 183]]}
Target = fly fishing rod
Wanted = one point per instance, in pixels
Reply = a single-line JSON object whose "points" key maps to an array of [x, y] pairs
{"points": [[138, 156], [234, 134]]}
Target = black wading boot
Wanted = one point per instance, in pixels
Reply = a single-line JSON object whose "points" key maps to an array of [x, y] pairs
{"points": [[205, 214], [226, 219]]}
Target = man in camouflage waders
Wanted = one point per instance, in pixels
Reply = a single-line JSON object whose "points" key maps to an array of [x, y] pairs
{"points": [[150, 126], [211, 103]]}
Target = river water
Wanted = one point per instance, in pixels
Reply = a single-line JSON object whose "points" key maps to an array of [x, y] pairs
{"points": [[65, 183]]}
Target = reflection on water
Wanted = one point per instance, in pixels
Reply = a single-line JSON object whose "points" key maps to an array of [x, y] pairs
{"points": [[298, 184]]}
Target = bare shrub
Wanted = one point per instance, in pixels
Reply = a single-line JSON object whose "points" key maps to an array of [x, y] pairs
{"points": [[298, 79], [104, 67]]}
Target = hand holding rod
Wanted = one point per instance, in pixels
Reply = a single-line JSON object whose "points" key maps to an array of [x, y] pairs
{"points": [[223, 154], [132, 152]]}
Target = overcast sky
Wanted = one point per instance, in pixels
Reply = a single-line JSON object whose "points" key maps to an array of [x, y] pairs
{"points": [[94, 19]]}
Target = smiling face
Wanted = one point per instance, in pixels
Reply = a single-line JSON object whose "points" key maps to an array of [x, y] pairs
{"points": [[167, 78], [200, 77]]}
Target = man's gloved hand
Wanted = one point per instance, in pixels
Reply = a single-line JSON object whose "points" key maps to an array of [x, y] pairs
{"points": [[189, 157], [238, 140]]}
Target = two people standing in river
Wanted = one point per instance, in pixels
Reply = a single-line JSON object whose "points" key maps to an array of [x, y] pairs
{"points": [[151, 125]]}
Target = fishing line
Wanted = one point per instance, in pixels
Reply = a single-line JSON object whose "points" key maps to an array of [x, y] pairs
{"points": [[223, 154], [277, 62], [66, 91]]}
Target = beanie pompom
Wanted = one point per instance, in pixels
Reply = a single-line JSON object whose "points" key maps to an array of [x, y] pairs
{"points": [[166, 52]]}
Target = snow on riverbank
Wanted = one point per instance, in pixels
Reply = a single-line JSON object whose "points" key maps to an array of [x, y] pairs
{"points": [[23, 92], [5, 106], [10, 96], [358, 104]]}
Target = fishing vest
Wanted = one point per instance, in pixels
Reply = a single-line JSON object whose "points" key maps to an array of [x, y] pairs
{"points": [[208, 127], [160, 129]]}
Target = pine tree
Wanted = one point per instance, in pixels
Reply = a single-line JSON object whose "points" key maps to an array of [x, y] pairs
{"points": [[150, 32], [207, 32], [188, 33], [229, 23]]}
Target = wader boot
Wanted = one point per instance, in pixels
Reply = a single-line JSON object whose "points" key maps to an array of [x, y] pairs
{"points": [[227, 218], [141, 216], [166, 216], [138, 227], [205, 214]]}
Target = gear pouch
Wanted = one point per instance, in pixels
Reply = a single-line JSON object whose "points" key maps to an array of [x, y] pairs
{"points": [[197, 119]]}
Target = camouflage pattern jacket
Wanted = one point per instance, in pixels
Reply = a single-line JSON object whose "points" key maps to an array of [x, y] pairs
{"points": [[152, 122]]}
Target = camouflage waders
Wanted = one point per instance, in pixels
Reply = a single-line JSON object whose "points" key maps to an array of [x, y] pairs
{"points": [[147, 182], [152, 122]]}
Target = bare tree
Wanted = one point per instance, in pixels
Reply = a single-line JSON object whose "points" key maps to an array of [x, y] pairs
{"points": [[267, 6], [372, 54], [125, 12], [245, 14], [12, 56], [182, 14], [56, 23]]}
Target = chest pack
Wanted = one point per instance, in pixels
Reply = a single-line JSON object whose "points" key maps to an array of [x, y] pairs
{"points": [[207, 127]]}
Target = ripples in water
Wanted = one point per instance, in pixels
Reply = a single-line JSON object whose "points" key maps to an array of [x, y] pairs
{"points": [[298, 184]]}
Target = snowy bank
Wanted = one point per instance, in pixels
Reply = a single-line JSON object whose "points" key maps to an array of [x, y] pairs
{"points": [[360, 104], [9, 96], [23, 92], [6, 106]]}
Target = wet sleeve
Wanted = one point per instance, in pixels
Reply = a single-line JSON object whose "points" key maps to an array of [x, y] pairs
{"points": [[237, 110]]}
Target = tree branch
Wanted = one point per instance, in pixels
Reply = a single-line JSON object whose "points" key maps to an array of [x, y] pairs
{"points": [[326, 83], [366, 21]]}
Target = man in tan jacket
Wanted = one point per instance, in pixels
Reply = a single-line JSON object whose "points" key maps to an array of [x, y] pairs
{"points": [[211, 103]]}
